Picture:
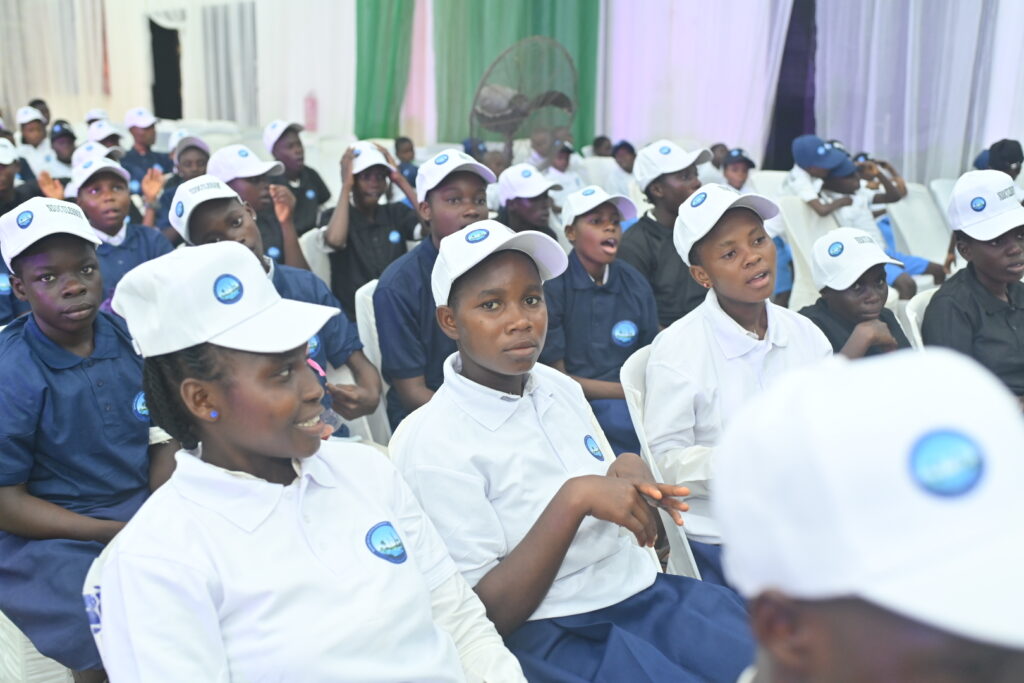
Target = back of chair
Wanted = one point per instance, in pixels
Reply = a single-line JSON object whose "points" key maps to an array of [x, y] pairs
{"points": [[919, 227], [803, 226], [366, 322], [768, 183], [311, 243], [634, 385], [913, 314], [942, 191]]}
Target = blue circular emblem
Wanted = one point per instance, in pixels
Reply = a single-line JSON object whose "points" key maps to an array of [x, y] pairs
{"points": [[835, 249], [24, 219], [384, 542], [624, 332], [93, 609], [394, 237], [243, 152], [49, 157], [665, 149], [87, 164], [311, 193], [228, 289], [313, 346], [134, 186], [699, 199], [978, 204], [5, 283], [441, 159], [595, 450], [356, 152], [179, 209], [477, 235], [589, 191], [821, 150], [139, 407], [273, 125], [947, 463], [274, 253], [158, 167], [527, 173], [735, 152]]}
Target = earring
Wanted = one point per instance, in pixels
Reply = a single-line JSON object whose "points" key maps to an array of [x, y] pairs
{"points": [[707, 285], [214, 414]]}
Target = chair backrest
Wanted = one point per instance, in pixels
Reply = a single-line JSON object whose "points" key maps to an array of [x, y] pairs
{"points": [[634, 385], [942, 191], [595, 170], [311, 243], [803, 226], [913, 315], [768, 183], [918, 226], [366, 322]]}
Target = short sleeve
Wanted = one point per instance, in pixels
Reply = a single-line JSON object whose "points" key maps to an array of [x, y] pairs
{"points": [[403, 350], [339, 335], [425, 544], [649, 327], [323, 194], [554, 344], [18, 424], [947, 324]]}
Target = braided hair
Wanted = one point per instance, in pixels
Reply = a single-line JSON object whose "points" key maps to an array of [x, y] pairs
{"points": [[161, 381]]}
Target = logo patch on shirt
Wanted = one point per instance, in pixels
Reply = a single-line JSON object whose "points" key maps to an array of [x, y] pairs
{"points": [[665, 149], [394, 237], [274, 253], [139, 407], [179, 209], [624, 332], [835, 249], [134, 186], [228, 289], [384, 542], [5, 283], [595, 450], [92, 609], [24, 219], [699, 199], [947, 463], [159, 167], [527, 173], [978, 204], [313, 346], [243, 152], [311, 193], [478, 235], [441, 159], [589, 191]]}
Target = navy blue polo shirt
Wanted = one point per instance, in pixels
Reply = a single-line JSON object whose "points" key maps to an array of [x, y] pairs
{"points": [[141, 243], [10, 306], [338, 338], [163, 214], [137, 164], [411, 342], [596, 328], [74, 430], [410, 171], [310, 192]]}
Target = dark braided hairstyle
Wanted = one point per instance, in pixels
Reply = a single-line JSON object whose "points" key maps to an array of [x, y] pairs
{"points": [[161, 381]]}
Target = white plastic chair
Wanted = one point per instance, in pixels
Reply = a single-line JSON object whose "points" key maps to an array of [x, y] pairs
{"points": [[311, 243], [634, 385], [366, 322], [942, 192], [803, 226], [768, 183], [21, 662], [918, 225], [913, 316]]}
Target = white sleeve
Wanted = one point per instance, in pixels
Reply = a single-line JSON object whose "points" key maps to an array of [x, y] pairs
{"points": [[484, 657], [159, 622]]}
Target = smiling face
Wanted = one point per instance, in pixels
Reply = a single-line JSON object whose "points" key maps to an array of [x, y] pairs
{"points": [[226, 220], [1000, 260], [105, 200], [595, 236], [863, 300], [459, 200], [289, 151], [191, 163], [737, 258]]}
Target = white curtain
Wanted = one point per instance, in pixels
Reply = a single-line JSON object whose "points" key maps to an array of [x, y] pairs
{"points": [[700, 70]]}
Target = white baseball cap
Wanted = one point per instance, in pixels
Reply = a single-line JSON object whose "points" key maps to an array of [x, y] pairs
{"points": [[238, 161], [698, 214], [191, 194], [101, 130], [664, 156], [216, 293], [523, 180], [462, 250], [28, 115], [275, 129], [96, 115], [442, 165], [81, 174], [181, 140], [366, 155], [40, 217], [94, 150], [591, 197], [984, 205], [878, 504], [139, 117], [841, 256], [8, 154]]}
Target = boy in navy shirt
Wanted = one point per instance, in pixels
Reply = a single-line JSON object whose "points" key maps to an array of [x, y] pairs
{"points": [[141, 158], [281, 138], [75, 455], [452, 191], [599, 310], [406, 153]]}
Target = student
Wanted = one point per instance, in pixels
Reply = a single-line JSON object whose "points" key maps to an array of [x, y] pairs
{"points": [[667, 175], [75, 454], [35, 147], [62, 142], [190, 156], [849, 270], [509, 464], [406, 154], [844, 183], [207, 211], [363, 236], [265, 531], [11, 196], [241, 170], [138, 160], [103, 132], [524, 197], [979, 311], [711, 170], [281, 138], [43, 108], [96, 114], [706, 365], [600, 310], [841, 589], [100, 187], [1006, 156], [601, 146], [736, 170], [566, 179], [452, 187]]}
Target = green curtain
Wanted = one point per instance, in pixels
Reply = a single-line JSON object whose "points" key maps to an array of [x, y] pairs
{"points": [[383, 47], [470, 34]]}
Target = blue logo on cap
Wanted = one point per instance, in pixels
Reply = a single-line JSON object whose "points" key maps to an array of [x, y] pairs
{"points": [[228, 289], [92, 609], [24, 219], [313, 346], [311, 193], [441, 159], [273, 125], [179, 209], [394, 237], [624, 332], [477, 235], [947, 463], [527, 173], [384, 542], [356, 152], [589, 191], [243, 152], [5, 283], [978, 204], [665, 149], [699, 199], [274, 253], [835, 249], [735, 152], [595, 450], [87, 164], [821, 150], [139, 407]]}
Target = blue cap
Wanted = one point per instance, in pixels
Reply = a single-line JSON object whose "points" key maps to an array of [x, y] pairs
{"points": [[811, 151], [981, 161], [845, 168], [738, 156]]}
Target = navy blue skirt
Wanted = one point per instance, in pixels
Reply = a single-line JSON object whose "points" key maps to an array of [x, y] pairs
{"points": [[679, 629], [41, 589]]}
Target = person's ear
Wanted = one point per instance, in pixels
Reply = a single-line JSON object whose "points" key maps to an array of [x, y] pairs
{"points": [[202, 399], [965, 248], [655, 189], [424, 211], [446, 319], [784, 633], [570, 232], [18, 287], [701, 276]]}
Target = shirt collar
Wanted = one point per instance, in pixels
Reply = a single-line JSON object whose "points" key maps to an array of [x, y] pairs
{"points": [[273, 268], [490, 408], [104, 344], [734, 340], [988, 301], [579, 278], [115, 240]]}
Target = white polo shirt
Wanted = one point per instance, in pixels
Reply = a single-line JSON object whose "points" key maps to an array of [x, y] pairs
{"points": [[802, 184], [485, 465], [38, 158], [225, 577], [858, 214], [702, 368]]}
